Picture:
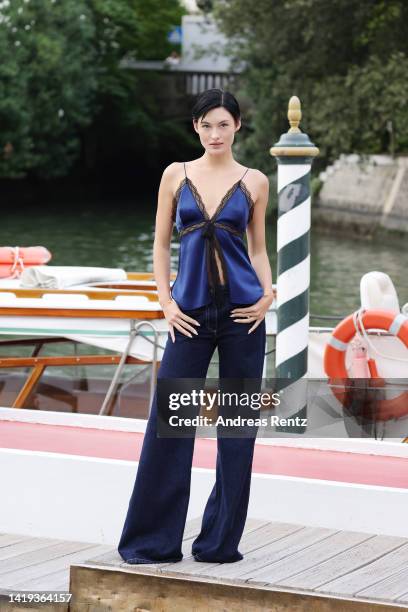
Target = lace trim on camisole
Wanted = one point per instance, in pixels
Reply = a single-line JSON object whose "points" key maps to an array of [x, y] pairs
{"points": [[248, 196], [176, 199], [220, 206], [200, 203]]}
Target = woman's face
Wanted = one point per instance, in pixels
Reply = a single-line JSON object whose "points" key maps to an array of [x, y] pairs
{"points": [[216, 130]]}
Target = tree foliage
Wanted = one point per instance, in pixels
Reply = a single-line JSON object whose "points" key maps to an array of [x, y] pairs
{"points": [[346, 60], [47, 83], [60, 74]]}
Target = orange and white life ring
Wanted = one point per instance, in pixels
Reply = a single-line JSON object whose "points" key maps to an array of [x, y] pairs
{"points": [[335, 357]]}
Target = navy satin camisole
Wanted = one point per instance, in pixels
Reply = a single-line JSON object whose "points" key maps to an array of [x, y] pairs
{"points": [[200, 235]]}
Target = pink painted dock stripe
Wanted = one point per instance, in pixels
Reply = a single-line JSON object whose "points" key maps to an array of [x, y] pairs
{"points": [[337, 466]]}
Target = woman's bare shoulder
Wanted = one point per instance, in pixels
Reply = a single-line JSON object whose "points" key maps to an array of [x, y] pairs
{"points": [[257, 183], [173, 170], [173, 175], [259, 178]]}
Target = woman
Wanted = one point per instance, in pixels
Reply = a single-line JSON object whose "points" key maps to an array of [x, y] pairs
{"points": [[219, 299]]}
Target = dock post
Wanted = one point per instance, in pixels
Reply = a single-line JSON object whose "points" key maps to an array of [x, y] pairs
{"points": [[294, 154]]}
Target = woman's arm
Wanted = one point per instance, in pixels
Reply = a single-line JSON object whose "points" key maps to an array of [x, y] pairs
{"points": [[161, 255], [162, 234], [256, 237]]}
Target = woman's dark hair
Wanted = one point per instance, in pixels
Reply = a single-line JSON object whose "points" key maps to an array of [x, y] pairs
{"points": [[214, 98]]}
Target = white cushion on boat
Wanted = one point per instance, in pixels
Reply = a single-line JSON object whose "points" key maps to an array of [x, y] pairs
{"points": [[65, 298], [377, 292], [7, 297], [59, 277], [9, 283], [134, 301]]}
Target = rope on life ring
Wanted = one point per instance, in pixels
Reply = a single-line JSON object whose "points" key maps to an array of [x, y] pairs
{"points": [[335, 357]]}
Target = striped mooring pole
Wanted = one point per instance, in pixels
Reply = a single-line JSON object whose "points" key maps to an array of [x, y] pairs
{"points": [[294, 154]]}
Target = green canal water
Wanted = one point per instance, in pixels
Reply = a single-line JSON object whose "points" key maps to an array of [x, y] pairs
{"points": [[122, 236]]}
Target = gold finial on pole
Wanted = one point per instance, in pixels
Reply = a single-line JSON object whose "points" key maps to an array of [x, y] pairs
{"points": [[294, 114], [294, 142]]}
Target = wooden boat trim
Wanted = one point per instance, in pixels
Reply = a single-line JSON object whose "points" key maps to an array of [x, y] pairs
{"points": [[90, 293], [21, 362], [39, 364], [81, 313], [28, 386], [145, 275]]}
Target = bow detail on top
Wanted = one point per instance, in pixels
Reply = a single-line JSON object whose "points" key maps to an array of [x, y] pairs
{"points": [[211, 245], [208, 229]]}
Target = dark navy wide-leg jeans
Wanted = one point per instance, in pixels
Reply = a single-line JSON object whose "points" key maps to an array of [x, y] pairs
{"points": [[155, 521]]}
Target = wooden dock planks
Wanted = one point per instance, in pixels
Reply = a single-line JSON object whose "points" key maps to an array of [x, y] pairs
{"points": [[285, 566]]}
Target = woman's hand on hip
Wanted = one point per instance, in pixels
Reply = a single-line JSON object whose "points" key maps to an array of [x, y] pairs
{"points": [[176, 318], [254, 313]]}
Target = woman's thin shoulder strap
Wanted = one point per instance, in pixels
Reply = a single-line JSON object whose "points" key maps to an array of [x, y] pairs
{"points": [[244, 174], [185, 172]]}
